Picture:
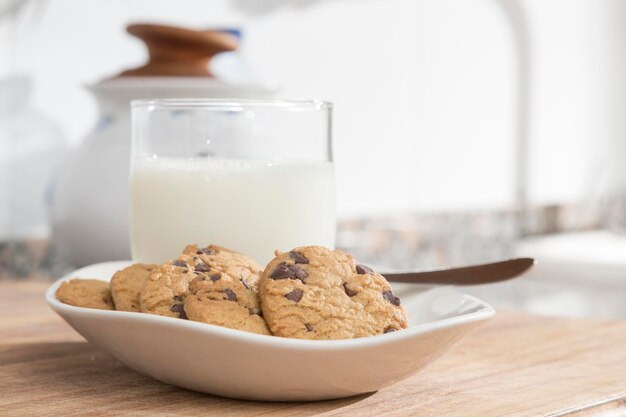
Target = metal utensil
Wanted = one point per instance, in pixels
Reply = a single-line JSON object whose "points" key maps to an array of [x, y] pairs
{"points": [[466, 275]]}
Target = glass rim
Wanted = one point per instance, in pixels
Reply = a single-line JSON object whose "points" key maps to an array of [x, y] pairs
{"points": [[230, 103]]}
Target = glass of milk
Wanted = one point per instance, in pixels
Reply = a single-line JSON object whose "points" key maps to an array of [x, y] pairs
{"points": [[252, 176]]}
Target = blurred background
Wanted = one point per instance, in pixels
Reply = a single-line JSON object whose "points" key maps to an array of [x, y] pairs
{"points": [[464, 131]]}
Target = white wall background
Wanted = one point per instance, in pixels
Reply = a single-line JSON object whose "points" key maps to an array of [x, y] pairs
{"points": [[425, 90], [577, 113]]}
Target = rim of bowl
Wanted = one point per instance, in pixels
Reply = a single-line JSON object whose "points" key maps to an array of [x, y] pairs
{"points": [[484, 312]]}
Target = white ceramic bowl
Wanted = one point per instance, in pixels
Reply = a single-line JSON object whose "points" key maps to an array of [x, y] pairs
{"points": [[237, 364]]}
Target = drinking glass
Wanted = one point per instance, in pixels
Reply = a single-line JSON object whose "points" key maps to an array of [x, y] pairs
{"points": [[252, 176]]}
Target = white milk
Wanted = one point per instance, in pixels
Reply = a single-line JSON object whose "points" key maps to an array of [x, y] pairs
{"points": [[250, 206]]}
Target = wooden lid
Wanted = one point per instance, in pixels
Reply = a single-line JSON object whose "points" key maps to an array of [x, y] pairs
{"points": [[175, 51]]}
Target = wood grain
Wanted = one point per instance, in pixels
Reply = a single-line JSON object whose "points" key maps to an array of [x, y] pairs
{"points": [[516, 365]]}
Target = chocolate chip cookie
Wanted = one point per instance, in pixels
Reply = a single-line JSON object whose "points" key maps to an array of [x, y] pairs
{"points": [[164, 292], [226, 294], [89, 293], [126, 286], [219, 273], [222, 259], [317, 293], [224, 308]]}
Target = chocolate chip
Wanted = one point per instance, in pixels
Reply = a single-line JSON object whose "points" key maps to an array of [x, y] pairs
{"points": [[215, 277], [390, 329], [178, 298], [179, 308], [298, 257], [202, 267], [245, 284], [205, 251], [362, 269], [230, 294], [180, 263], [295, 295], [284, 271], [349, 292], [388, 295], [309, 327]]}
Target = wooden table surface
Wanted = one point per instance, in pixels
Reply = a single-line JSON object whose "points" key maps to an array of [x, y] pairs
{"points": [[515, 365]]}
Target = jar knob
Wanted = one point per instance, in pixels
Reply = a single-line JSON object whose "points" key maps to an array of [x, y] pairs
{"points": [[175, 51]]}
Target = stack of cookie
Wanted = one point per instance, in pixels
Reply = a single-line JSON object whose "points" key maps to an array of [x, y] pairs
{"points": [[308, 293]]}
